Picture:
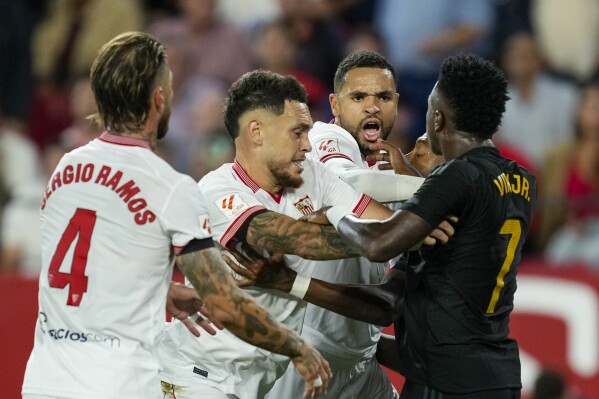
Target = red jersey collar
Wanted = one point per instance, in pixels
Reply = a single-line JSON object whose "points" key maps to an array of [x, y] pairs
{"points": [[248, 181], [124, 140]]}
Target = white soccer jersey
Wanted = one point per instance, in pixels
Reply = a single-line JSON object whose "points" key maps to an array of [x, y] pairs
{"points": [[346, 344], [332, 142], [113, 216], [326, 330], [224, 360]]}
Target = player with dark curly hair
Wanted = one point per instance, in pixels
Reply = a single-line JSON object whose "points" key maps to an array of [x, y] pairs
{"points": [[451, 304]]}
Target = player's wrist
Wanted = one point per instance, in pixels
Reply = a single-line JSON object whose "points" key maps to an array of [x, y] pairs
{"points": [[336, 213], [300, 286]]}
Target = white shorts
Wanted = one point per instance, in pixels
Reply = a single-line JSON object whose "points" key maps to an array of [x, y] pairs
{"points": [[193, 392], [364, 380]]}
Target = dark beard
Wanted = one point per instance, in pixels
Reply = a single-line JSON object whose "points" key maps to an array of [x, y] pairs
{"points": [[355, 132], [283, 177]]}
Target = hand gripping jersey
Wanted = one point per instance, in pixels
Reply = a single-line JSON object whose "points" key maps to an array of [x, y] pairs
{"points": [[223, 360], [113, 216]]}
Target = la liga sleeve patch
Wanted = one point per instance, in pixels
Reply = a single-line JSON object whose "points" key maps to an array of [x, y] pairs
{"points": [[231, 205], [327, 146]]}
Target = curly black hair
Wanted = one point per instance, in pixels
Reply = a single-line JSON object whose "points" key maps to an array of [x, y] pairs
{"points": [[260, 89], [476, 92], [361, 59]]}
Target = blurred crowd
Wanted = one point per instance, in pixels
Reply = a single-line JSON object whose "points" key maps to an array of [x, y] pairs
{"points": [[549, 50]]}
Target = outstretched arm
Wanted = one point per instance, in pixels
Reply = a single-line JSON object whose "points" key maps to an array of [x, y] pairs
{"points": [[241, 315], [382, 240], [276, 232], [371, 303]]}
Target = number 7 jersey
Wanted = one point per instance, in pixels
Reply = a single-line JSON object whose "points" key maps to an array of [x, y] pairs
{"points": [[113, 217]]}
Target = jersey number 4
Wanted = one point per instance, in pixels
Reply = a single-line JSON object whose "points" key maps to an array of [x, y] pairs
{"points": [[512, 228], [81, 227]]}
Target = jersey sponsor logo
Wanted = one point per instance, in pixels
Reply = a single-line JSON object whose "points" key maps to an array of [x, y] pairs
{"points": [[65, 334], [231, 205], [327, 146], [304, 205]]}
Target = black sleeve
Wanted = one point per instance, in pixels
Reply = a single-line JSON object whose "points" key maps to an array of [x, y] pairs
{"points": [[443, 193], [197, 245], [243, 231]]}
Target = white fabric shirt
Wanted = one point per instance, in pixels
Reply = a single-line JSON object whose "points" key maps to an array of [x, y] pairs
{"points": [[223, 360], [113, 216], [339, 336]]}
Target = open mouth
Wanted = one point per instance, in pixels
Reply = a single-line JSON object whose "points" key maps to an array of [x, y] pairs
{"points": [[372, 130]]}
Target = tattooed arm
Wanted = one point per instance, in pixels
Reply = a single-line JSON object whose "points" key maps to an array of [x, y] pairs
{"points": [[276, 232], [241, 315]]}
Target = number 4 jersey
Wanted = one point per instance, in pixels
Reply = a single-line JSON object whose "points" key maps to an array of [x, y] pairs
{"points": [[113, 216]]}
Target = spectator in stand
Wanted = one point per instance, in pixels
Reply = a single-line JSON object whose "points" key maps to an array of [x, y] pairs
{"points": [[20, 252], [82, 105], [568, 33], [201, 28], [249, 15], [64, 46], [419, 34], [541, 108], [191, 88], [551, 385], [570, 211], [275, 49]]}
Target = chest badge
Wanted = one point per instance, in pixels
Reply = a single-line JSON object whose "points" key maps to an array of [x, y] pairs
{"points": [[304, 205]]}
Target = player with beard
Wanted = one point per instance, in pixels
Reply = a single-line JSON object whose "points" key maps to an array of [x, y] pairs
{"points": [[256, 201], [364, 105], [452, 307], [113, 216]]}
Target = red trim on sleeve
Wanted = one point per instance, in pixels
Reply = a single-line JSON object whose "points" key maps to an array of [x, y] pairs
{"points": [[362, 204], [178, 249], [237, 224], [331, 156]]}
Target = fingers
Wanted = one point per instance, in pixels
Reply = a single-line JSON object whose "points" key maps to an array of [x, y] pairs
{"points": [[453, 219], [447, 228], [242, 271], [205, 325], [204, 312], [439, 235], [190, 326], [385, 166]]}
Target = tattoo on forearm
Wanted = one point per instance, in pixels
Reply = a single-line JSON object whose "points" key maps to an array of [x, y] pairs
{"points": [[279, 233], [236, 310]]}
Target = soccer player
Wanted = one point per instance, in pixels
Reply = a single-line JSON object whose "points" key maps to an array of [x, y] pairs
{"points": [[364, 105], [256, 200], [114, 216], [452, 308]]}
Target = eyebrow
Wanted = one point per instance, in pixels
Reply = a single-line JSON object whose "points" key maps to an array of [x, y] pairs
{"points": [[363, 93]]}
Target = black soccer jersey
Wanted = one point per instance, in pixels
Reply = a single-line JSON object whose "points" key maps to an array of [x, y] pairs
{"points": [[459, 295]]}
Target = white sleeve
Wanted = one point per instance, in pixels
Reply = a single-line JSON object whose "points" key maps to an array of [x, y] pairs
{"points": [[185, 216], [230, 204], [383, 187], [336, 192]]}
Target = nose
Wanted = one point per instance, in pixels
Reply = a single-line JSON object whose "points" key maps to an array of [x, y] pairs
{"points": [[305, 145], [372, 106]]}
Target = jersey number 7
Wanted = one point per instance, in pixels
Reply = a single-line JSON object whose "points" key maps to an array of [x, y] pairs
{"points": [[81, 227], [512, 228]]}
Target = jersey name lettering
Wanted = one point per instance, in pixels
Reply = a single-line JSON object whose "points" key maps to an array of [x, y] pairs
{"points": [[107, 177], [511, 183]]}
